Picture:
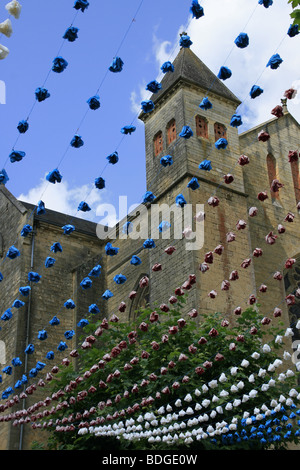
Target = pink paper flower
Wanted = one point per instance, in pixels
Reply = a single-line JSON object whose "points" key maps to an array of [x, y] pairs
{"points": [[230, 237], [253, 211]]}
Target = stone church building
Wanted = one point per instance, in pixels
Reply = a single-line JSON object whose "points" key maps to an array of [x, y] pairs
{"points": [[176, 106]]}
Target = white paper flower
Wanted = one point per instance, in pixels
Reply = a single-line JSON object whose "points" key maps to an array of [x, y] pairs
{"points": [[213, 383], [198, 407], [251, 378], [4, 51], [271, 368], [253, 393], [245, 398], [264, 387], [219, 410], [210, 429], [278, 339], [289, 373], [286, 356], [289, 332], [233, 370], [197, 392], [228, 407], [161, 410], [205, 388], [215, 399], [266, 348], [6, 28], [224, 393], [205, 403], [240, 385], [14, 8], [178, 403], [188, 398], [272, 383], [234, 389], [245, 363], [261, 372], [237, 403], [255, 355], [222, 378], [293, 392], [189, 411]]}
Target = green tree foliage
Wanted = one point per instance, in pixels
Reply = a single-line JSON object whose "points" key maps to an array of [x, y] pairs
{"points": [[295, 15], [130, 369]]}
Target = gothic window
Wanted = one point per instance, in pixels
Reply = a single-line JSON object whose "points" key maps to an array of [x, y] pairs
{"points": [[141, 300], [201, 127], [296, 179], [272, 173], [158, 143], [171, 131], [220, 131]]}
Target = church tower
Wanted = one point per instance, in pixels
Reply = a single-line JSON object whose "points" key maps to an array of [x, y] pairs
{"points": [[176, 105]]}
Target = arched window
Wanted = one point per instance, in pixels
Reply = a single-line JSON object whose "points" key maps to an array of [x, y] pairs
{"points": [[220, 131], [158, 143], [171, 131], [272, 173], [201, 127], [296, 179]]}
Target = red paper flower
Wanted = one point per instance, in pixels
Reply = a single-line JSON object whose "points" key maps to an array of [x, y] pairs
{"points": [[132, 295], [263, 288], [277, 276], [219, 249], [276, 185], [213, 201], [145, 355], [281, 229], [228, 179], [290, 299], [114, 318], [252, 299], [263, 136], [173, 330], [241, 225], [144, 282], [164, 308], [289, 217], [290, 93], [277, 111], [199, 370], [170, 250], [192, 349], [164, 338], [277, 312], [253, 330], [243, 160], [179, 292], [143, 326], [153, 317], [225, 285], [271, 238], [253, 211], [289, 263], [203, 267], [213, 332], [230, 237], [209, 257], [173, 300], [240, 338], [262, 196], [193, 313], [234, 276], [155, 345], [293, 156], [212, 294], [122, 307], [157, 267], [207, 364], [246, 263], [202, 340], [219, 357]]}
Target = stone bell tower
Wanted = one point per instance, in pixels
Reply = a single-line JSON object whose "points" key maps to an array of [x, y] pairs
{"points": [[177, 105]]}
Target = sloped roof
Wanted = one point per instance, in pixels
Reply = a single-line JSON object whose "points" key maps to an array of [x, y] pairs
{"points": [[189, 68]]}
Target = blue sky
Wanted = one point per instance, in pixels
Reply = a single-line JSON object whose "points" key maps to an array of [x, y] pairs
{"points": [[152, 38]]}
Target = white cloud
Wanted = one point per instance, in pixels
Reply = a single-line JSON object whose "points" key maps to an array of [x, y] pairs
{"points": [[62, 198]]}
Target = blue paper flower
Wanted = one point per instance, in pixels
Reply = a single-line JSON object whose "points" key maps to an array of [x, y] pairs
{"points": [[56, 247], [236, 120], [116, 65], [29, 349], [7, 315], [127, 228], [23, 127], [186, 132], [167, 160], [164, 226], [224, 73], [221, 143], [196, 10], [26, 230], [71, 34], [185, 41], [148, 244], [68, 229], [205, 104], [3, 177], [147, 106], [40, 208], [84, 207], [7, 370], [128, 130], [86, 283], [242, 40], [59, 65], [1, 277], [54, 321], [153, 86], [100, 183], [18, 304], [94, 102], [77, 141], [16, 156], [94, 309], [69, 334], [41, 94], [256, 91], [16, 361], [167, 67], [274, 61], [96, 271], [113, 158], [148, 197], [107, 295], [33, 277], [8, 391], [12, 252], [120, 279], [293, 30], [54, 176], [50, 355], [62, 346], [82, 323], [180, 201], [265, 3], [49, 262], [25, 291], [81, 5], [40, 365], [42, 335], [110, 250], [69, 304], [24, 379], [18, 384], [135, 260], [193, 184]]}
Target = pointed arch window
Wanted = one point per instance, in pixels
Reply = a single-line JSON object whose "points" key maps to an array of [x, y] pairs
{"points": [[220, 131], [296, 179], [158, 143], [201, 127], [272, 173], [171, 131]]}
